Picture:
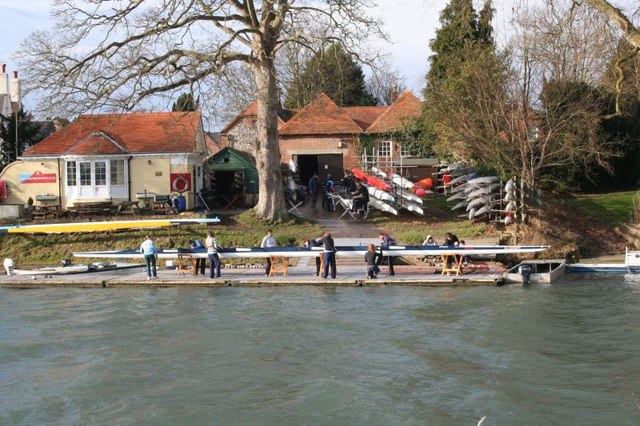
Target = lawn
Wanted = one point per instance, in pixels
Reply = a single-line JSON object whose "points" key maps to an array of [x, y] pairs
{"points": [[612, 208]]}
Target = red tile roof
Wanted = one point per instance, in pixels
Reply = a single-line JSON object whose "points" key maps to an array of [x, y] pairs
{"points": [[251, 111], [364, 116], [321, 117], [406, 106], [135, 133], [97, 142]]}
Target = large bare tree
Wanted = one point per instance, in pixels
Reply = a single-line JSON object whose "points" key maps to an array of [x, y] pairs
{"points": [[110, 55], [617, 15]]}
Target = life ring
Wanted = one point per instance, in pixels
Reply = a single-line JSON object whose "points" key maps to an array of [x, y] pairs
{"points": [[180, 184]]}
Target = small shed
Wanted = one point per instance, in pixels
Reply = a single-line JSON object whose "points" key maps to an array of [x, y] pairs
{"points": [[232, 179], [417, 168]]}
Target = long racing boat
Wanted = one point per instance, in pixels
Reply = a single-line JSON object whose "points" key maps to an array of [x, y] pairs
{"points": [[341, 251], [113, 225]]}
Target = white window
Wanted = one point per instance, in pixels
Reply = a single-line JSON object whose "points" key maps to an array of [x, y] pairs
{"points": [[384, 149], [72, 174], [117, 172], [96, 179], [404, 150]]}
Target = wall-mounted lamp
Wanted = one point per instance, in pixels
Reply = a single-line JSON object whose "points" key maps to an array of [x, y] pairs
{"points": [[42, 164], [149, 162], [340, 144]]}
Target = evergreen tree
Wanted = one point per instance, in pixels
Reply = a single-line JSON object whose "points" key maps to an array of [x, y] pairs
{"points": [[333, 72], [459, 29], [185, 102], [28, 133]]}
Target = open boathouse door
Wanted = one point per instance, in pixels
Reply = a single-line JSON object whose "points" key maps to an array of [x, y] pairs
{"points": [[323, 164], [232, 180]]}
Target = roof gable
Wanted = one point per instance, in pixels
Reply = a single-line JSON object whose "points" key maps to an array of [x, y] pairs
{"points": [[364, 116], [134, 133], [97, 143], [405, 107], [321, 117]]}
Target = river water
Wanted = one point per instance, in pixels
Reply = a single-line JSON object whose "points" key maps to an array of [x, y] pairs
{"points": [[562, 354]]}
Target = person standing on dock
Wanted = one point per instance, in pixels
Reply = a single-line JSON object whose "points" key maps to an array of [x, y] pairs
{"points": [[385, 242], [268, 241], [371, 258], [150, 251], [212, 252], [200, 262], [329, 255], [314, 243]]}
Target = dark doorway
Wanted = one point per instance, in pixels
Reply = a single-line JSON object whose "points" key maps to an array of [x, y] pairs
{"points": [[227, 188], [330, 164], [307, 166]]}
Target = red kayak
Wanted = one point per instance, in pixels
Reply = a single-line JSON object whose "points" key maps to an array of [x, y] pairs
{"points": [[370, 180]]}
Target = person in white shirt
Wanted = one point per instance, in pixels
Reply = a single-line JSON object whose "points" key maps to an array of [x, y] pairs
{"points": [[268, 241], [212, 252], [150, 251]]}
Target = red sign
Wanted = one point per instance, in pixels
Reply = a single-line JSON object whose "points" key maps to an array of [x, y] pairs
{"points": [[38, 177], [180, 182]]}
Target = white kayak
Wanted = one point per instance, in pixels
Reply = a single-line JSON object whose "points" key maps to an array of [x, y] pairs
{"points": [[483, 180], [482, 210], [413, 208], [380, 194], [481, 201], [459, 205], [511, 206], [410, 196], [403, 182], [484, 190], [457, 196], [382, 206], [379, 172]]}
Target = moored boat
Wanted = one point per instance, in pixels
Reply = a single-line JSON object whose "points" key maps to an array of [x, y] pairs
{"points": [[536, 272]]}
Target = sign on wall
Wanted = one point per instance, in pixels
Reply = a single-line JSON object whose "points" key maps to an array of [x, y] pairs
{"points": [[38, 177]]}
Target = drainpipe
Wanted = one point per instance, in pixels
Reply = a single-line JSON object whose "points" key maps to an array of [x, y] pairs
{"points": [[129, 177], [60, 184]]}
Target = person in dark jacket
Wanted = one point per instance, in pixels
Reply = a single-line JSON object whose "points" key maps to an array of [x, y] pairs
{"points": [[314, 185], [360, 197], [200, 262], [385, 242], [329, 255], [372, 259], [313, 243]]}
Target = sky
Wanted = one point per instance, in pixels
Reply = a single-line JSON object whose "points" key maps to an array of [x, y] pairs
{"points": [[410, 24]]}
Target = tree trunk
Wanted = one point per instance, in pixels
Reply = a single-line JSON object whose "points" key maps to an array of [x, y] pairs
{"points": [[270, 205]]}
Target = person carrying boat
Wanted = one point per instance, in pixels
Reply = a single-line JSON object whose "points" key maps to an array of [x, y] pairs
{"points": [[150, 251], [385, 242], [200, 262], [372, 259], [212, 252], [268, 241], [451, 241], [329, 255], [360, 197], [314, 243]]}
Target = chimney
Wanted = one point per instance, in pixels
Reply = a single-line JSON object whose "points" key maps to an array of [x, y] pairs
{"points": [[15, 89], [4, 81]]}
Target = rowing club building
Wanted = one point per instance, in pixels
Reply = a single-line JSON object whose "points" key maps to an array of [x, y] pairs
{"points": [[112, 157], [326, 139]]}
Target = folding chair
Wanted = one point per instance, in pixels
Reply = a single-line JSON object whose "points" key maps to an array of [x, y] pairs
{"points": [[294, 207], [346, 204]]}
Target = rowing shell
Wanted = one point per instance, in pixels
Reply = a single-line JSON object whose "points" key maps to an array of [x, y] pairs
{"points": [[371, 180], [72, 227], [342, 251]]}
